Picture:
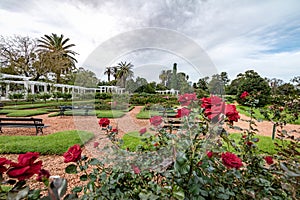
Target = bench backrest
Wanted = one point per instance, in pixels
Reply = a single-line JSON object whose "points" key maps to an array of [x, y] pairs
{"points": [[20, 119]]}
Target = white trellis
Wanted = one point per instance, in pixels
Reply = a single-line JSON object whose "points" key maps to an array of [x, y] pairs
{"points": [[34, 87]]}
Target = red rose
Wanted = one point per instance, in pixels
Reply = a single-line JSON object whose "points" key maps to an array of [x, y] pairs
{"points": [[115, 130], [249, 143], [155, 144], [269, 160], [136, 169], [26, 167], [43, 174], [143, 131], [244, 95], [73, 154], [209, 154], [156, 120], [183, 112], [187, 99], [211, 101], [104, 122], [96, 144], [230, 160], [231, 113], [214, 112], [3, 161]]}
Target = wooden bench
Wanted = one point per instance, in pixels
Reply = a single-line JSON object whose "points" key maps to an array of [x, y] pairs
{"points": [[36, 123], [86, 109]]}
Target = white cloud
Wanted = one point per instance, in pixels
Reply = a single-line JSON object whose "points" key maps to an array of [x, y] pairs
{"points": [[238, 35]]}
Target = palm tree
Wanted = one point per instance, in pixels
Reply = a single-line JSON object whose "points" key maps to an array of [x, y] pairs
{"points": [[124, 72], [108, 71], [62, 58]]}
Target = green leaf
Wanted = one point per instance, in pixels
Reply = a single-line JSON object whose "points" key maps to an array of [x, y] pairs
{"points": [[71, 169], [94, 161], [178, 193], [18, 194], [83, 177], [223, 196], [77, 189]]}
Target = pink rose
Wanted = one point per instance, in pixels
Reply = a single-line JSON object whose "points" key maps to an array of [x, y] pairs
{"points": [[187, 99], [96, 144], [143, 131], [136, 169], [156, 120], [183, 112]]}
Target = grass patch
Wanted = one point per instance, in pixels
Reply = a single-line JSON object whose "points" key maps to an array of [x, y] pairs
{"points": [[56, 143], [32, 106], [110, 113], [6, 111], [246, 111], [26, 113], [146, 114], [133, 139], [265, 144], [257, 115]]}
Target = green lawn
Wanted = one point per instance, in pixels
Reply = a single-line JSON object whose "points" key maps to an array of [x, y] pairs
{"points": [[265, 144], [257, 115], [132, 139], [110, 113], [56, 143], [26, 113], [146, 114]]}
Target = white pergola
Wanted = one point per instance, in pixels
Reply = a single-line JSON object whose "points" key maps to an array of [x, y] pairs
{"points": [[172, 91], [37, 86]]}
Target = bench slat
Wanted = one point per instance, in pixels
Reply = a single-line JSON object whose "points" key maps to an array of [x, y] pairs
{"points": [[21, 119]]}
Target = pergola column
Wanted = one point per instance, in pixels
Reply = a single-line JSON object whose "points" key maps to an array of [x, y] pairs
{"points": [[7, 90]]}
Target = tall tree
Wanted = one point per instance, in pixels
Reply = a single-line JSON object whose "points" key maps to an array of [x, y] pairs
{"points": [[62, 57], [174, 81], [124, 72], [18, 56], [108, 72]]}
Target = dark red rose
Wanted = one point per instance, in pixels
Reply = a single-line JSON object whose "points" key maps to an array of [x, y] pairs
{"points": [[43, 174], [244, 95], [187, 99], [183, 112], [244, 136], [3, 161], [143, 131], [73, 154], [96, 144], [231, 113], [156, 144], [104, 122], [114, 130], [209, 154], [26, 167], [230, 160], [156, 120], [136, 169], [199, 163], [269, 160], [249, 143]]}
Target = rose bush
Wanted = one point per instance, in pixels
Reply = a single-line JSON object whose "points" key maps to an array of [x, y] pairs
{"points": [[200, 161]]}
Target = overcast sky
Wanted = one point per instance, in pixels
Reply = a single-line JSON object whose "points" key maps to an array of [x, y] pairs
{"points": [[236, 35]]}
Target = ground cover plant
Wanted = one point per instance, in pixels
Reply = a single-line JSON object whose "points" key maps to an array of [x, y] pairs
{"points": [[56, 143]]}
